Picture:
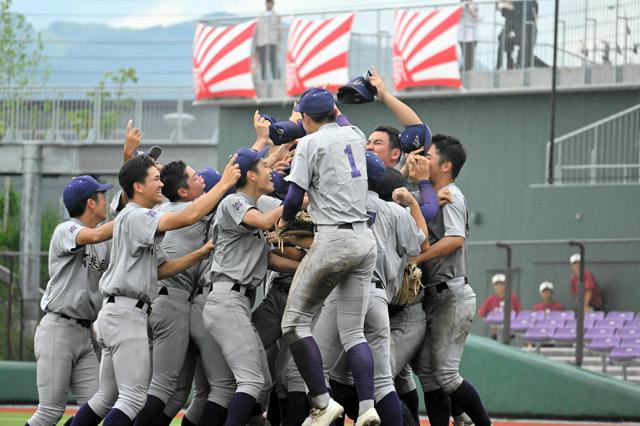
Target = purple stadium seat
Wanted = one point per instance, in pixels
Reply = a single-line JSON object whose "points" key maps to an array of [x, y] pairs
{"points": [[565, 334], [628, 332], [565, 315], [634, 323], [594, 333], [496, 316], [624, 353], [625, 315], [631, 342], [597, 315], [537, 314], [521, 325], [539, 334], [525, 315], [603, 344], [611, 322], [551, 322]]}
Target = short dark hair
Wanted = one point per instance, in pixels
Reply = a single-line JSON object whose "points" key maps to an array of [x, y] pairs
{"points": [[450, 149], [393, 133], [79, 208], [323, 118], [173, 175], [243, 177], [391, 181], [134, 171]]}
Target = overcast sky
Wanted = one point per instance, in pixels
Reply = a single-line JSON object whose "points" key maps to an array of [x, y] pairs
{"points": [[149, 13]]}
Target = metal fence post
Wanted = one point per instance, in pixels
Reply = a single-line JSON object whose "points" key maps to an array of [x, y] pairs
{"points": [[580, 306], [506, 322]]}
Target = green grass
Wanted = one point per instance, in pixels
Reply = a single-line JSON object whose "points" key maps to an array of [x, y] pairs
{"points": [[19, 419]]}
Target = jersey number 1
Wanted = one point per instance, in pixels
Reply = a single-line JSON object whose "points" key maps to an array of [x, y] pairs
{"points": [[352, 161]]}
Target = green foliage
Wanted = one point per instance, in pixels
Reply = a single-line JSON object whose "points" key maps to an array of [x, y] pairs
{"points": [[10, 234]]}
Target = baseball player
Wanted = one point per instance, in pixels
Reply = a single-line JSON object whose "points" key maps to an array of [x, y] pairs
{"points": [[397, 237], [169, 319], [330, 165], [238, 265], [449, 300], [78, 256], [129, 285]]}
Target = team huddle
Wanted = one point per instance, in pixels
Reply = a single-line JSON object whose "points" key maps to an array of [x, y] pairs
{"points": [[169, 285]]}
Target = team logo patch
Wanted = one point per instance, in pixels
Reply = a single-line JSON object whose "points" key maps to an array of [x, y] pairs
{"points": [[151, 213], [73, 228], [372, 218], [238, 205]]}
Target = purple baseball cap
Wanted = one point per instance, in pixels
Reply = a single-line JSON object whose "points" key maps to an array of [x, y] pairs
{"points": [[415, 137], [247, 156], [154, 152], [375, 167], [280, 186], [317, 101], [80, 188]]}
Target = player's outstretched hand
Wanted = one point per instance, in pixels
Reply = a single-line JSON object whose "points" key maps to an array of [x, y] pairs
{"points": [[206, 249], [231, 173], [418, 167], [444, 196], [261, 125], [295, 115], [132, 139], [377, 82], [403, 197]]}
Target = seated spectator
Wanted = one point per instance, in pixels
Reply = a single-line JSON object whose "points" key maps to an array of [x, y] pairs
{"points": [[592, 298], [546, 294], [496, 301]]}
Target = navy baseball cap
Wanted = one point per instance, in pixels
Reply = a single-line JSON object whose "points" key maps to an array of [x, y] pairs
{"points": [[211, 177], [375, 167], [247, 156], [280, 186], [80, 188], [317, 101], [269, 118], [154, 152], [356, 91], [287, 131], [415, 137]]}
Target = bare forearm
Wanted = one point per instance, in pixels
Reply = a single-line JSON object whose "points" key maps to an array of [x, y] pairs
{"points": [[444, 247], [175, 266], [95, 235], [404, 114], [416, 214], [282, 264]]}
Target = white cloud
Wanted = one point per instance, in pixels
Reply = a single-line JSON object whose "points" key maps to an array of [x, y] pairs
{"points": [[163, 13]]}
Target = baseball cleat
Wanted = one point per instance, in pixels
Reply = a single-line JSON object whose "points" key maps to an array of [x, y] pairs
{"points": [[324, 417], [368, 418], [462, 420]]}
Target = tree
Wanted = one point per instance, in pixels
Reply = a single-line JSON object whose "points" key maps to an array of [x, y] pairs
{"points": [[22, 59]]}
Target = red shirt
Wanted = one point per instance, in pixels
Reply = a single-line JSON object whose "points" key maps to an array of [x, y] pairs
{"points": [[492, 302], [589, 283], [553, 306]]}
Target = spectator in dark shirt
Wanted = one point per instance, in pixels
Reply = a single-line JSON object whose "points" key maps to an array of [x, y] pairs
{"points": [[546, 294]]}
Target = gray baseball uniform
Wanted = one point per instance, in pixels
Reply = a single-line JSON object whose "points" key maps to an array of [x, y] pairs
{"points": [[64, 352], [330, 165], [169, 319], [238, 266], [397, 237], [128, 286], [450, 302]]}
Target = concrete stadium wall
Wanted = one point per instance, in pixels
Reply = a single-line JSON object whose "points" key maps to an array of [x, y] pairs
{"points": [[505, 136]]}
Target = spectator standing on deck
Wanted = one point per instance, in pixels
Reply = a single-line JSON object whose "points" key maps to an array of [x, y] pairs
{"points": [[592, 297], [267, 39]]}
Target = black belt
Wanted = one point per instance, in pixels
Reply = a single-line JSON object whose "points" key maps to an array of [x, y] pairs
{"points": [[378, 284], [340, 226], [248, 292], [163, 291], [139, 305], [84, 323], [439, 288]]}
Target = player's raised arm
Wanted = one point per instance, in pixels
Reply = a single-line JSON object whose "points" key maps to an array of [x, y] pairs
{"points": [[203, 205], [405, 115], [174, 266]]}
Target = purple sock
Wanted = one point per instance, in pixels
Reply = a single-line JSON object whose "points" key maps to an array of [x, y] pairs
{"points": [[438, 407], [467, 397], [390, 410], [412, 402], [239, 411], [152, 407], [86, 417], [297, 408], [116, 418], [212, 414], [360, 361], [307, 357]]}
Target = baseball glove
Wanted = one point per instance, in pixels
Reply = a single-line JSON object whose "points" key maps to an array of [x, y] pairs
{"points": [[411, 285], [301, 226]]}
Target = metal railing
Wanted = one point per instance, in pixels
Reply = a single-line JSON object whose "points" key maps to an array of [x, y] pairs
{"points": [[76, 114], [607, 151]]}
